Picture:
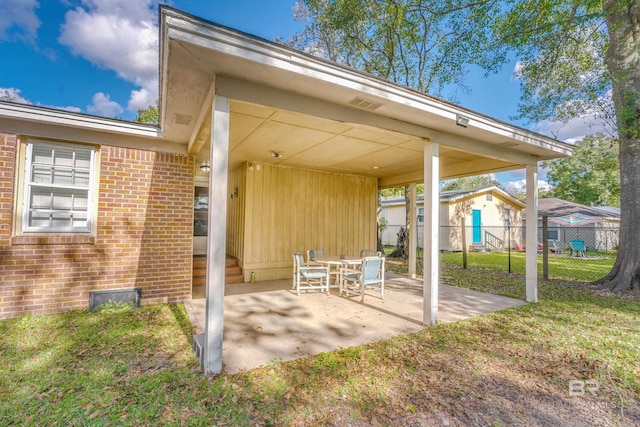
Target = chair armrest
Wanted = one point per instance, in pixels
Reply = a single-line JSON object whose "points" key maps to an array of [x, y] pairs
{"points": [[314, 267]]}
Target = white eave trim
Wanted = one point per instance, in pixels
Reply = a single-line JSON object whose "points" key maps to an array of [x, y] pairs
{"points": [[42, 115], [182, 27]]}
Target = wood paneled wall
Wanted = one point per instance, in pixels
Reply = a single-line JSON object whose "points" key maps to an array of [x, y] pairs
{"points": [[236, 211], [284, 210]]}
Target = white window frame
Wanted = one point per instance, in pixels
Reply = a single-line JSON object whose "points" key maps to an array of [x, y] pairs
{"points": [[29, 184], [420, 215]]}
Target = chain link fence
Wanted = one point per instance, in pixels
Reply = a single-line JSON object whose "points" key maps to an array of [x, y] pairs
{"points": [[574, 253]]}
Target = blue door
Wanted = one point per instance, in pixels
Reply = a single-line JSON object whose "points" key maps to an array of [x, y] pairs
{"points": [[477, 233]]}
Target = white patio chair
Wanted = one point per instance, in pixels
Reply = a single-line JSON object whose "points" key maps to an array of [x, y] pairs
{"points": [[369, 276], [312, 254], [307, 277], [557, 246]]}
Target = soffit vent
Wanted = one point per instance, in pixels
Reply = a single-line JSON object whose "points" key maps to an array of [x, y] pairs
{"points": [[366, 104], [181, 119]]}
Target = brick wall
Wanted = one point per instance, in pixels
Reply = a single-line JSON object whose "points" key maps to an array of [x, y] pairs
{"points": [[143, 238]]}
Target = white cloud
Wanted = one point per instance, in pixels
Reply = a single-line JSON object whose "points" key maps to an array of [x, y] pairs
{"points": [[517, 70], [141, 99], [573, 130], [104, 106], [519, 187], [12, 94], [120, 35], [18, 19]]}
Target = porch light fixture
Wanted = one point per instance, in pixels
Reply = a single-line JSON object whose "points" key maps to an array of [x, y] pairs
{"points": [[204, 167], [462, 120], [277, 154]]}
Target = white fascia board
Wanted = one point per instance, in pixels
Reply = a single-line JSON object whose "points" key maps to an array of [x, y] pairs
{"points": [[63, 125], [164, 66], [30, 113], [230, 42]]}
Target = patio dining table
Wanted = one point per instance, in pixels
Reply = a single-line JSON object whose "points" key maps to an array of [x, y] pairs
{"points": [[335, 262]]}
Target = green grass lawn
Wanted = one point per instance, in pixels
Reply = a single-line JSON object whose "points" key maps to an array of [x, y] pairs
{"points": [[136, 367], [593, 267]]}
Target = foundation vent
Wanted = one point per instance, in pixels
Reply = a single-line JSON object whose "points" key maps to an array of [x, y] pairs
{"points": [[126, 296]]}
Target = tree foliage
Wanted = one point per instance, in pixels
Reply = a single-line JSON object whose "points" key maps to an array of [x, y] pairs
{"points": [[148, 115], [6, 95], [471, 183], [424, 45], [591, 176], [578, 56], [561, 46], [399, 191]]}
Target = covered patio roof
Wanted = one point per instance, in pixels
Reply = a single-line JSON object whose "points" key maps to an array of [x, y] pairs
{"points": [[319, 115]]}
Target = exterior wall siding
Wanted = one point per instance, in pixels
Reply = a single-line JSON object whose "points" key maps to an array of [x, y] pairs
{"points": [[235, 212], [143, 237], [290, 210]]}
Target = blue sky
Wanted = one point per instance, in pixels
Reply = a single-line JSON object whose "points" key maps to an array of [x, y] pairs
{"points": [[101, 56]]}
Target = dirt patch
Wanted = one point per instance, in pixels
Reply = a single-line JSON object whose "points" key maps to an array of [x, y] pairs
{"points": [[458, 391], [629, 294]]}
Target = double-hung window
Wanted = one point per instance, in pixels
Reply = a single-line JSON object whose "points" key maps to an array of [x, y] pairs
{"points": [[58, 187]]}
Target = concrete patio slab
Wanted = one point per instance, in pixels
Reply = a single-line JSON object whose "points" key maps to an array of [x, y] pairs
{"points": [[266, 322]]}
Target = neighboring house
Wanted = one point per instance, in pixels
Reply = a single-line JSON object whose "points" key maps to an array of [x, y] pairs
{"points": [[598, 227], [271, 150], [488, 214], [609, 211]]}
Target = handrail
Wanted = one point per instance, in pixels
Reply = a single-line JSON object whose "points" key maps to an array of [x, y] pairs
{"points": [[491, 240]]}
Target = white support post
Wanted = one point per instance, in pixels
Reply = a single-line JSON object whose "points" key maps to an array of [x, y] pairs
{"points": [[430, 252], [413, 229], [532, 234], [216, 238]]}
